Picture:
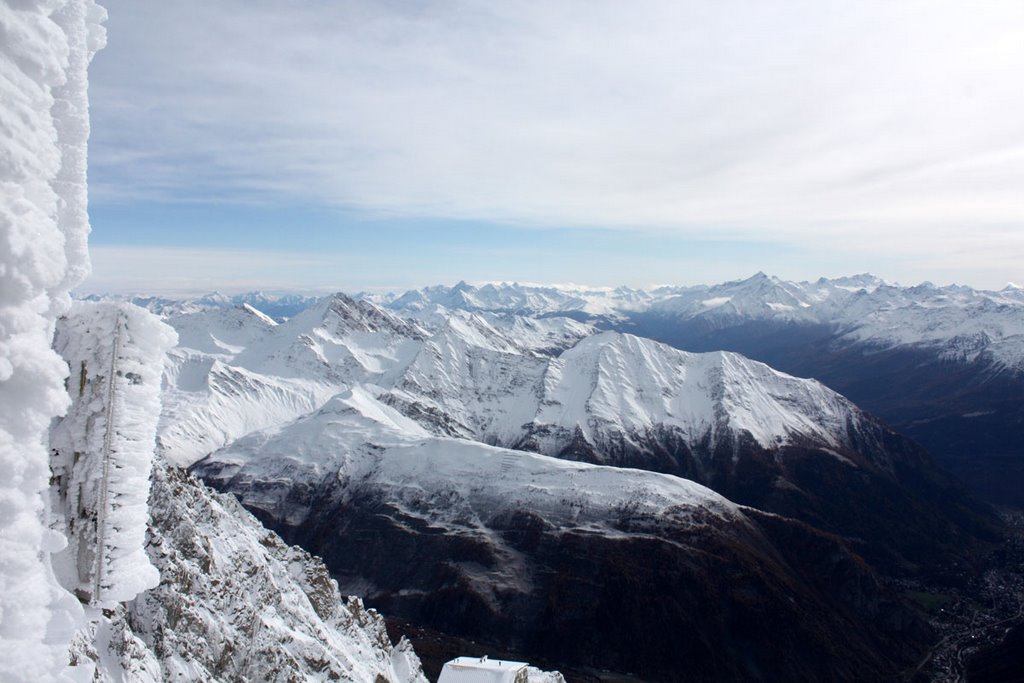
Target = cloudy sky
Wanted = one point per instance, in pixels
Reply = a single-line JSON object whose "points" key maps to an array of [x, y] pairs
{"points": [[357, 144]]}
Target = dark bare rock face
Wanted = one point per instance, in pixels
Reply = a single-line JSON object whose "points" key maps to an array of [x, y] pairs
{"points": [[883, 494], [759, 598]]}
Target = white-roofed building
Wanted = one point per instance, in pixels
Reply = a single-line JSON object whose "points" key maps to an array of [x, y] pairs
{"points": [[483, 670]]}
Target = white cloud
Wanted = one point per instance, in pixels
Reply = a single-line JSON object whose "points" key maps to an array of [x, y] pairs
{"points": [[190, 271], [845, 125]]}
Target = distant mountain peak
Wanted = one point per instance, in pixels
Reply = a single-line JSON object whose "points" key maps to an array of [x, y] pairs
{"points": [[263, 317]]}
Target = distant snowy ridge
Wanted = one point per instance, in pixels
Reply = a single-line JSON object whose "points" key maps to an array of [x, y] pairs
{"points": [[44, 125], [610, 386], [276, 306], [959, 322]]}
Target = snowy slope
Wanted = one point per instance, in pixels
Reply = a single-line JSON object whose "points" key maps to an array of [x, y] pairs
{"points": [[505, 331], [207, 403], [614, 383], [356, 438], [632, 384], [505, 545], [236, 371], [339, 339], [470, 384]]}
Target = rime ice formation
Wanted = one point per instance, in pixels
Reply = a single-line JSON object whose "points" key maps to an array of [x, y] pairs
{"points": [[45, 48], [102, 450]]}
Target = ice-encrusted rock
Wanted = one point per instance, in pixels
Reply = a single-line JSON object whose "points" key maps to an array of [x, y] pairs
{"points": [[236, 603]]}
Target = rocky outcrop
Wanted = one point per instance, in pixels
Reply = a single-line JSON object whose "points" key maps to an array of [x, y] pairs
{"points": [[235, 603]]}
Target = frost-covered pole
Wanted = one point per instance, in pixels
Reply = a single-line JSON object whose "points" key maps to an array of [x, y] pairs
{"points": [[45, 50], [102, 450], [107, 454]]}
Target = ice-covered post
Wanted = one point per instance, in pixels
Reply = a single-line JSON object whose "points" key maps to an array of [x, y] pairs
{"points": [[102, 450]]}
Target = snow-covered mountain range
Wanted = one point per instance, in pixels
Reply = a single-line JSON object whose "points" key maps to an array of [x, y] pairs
{"points": [[466, 424], [515, 466], [957, 321], [509, 478], [960, 322], [481, 380], [944, 365]]}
